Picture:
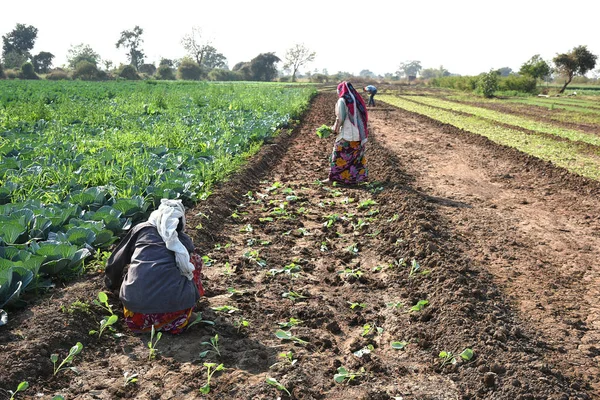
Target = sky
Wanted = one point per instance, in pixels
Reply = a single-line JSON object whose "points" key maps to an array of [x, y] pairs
{"points": [[466, 37]]}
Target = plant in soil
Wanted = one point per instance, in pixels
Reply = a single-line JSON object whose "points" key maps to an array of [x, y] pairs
{"points": [[421, 304], [273, 382], [323, 131], [102, 302], [446, 357], [288, 359], [76, 306], [199, 320], [152, 343], [106, 322], [226, 309], [292, 322], [241, 324], [214, 344], [20, 388], [416, 267], [344, 375], [369, 329], [211, 369], [399, 345], [286, 335], [351, 272], [68, 360], [356, 306], [293, 296], [365, 350], [129, 378]]}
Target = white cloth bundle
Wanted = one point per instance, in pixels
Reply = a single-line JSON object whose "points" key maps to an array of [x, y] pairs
{"points": [[166, 219]]}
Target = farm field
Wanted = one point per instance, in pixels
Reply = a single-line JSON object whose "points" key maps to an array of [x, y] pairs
{"points": [[458, 245]]}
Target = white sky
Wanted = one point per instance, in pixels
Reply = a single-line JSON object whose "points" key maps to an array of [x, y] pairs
{"points": [[465, 36]]}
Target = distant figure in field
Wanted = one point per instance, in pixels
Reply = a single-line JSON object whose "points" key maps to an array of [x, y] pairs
{"points": [[348, 162], [162, 285], [372, 90]]}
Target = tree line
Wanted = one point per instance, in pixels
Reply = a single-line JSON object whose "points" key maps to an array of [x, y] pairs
{"points": [[202, 61]]}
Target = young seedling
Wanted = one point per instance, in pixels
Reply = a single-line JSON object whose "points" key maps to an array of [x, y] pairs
{"points": [[248, 229], [253, 255], [352, 249], [227, 271], [330, 220], [395, 304], [467, 354], [225, 309], [211, 371], [292, 322], [241, 324], [234, 292], [129, 378], [343, 375], [273, 382], [103, 302], [106, 322], [354, 306], [214, 343], [366, 204], [152, 343], [351, 272], [446, 357], [399, 345], [365, 350], [361, 223], [293, 296], [68, 360], [395, 217], [414, 268], [288, 359], [20, 388], [292, 269], [420, 305], [199, 320], [369, 329], [283, 335]]}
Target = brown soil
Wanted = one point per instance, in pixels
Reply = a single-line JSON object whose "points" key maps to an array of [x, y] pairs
{"points": [[505, 240]]}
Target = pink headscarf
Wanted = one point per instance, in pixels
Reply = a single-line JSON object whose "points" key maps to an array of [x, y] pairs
{"points": [[355, 103]]}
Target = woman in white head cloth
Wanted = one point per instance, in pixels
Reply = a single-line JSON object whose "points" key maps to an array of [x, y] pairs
{"points": [[162, 284]]}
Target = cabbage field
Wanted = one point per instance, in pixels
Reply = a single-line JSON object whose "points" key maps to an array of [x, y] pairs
{"points": [[81, 162]]}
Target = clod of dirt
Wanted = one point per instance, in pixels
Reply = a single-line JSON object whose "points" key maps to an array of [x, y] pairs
{"points": [[498, 369], [489, 379]]}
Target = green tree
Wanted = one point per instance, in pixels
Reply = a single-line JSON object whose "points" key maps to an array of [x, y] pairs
{"points": [[296, 57], [42, 62], [165, 72], [28, 72], [576, 62], [263, 68], [148, 69], [504, 71], [213, 59], [189, 70], [129, 72], [132, 41], [365, 73], [82, 52], [18, 42], [536, 68], [409, 68], [86, 71], [488, 83]]}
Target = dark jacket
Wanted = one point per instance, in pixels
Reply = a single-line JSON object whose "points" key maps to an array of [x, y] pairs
{"points": [[153, 283]]}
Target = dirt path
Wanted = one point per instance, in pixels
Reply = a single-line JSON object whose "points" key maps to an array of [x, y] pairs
{"points": [[537, 233], [281, 247]]}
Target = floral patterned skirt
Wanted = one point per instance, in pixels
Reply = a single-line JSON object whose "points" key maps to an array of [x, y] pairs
{"points": [[348, 163], [172, 322]]}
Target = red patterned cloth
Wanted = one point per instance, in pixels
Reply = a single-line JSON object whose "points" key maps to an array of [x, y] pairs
{"points": [[172, 322]]}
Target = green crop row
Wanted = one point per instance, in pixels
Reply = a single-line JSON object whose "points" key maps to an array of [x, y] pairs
{"points": [[509, 119], [80, 162], [562, 153]]}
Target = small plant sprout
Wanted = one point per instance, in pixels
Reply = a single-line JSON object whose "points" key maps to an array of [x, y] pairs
{"points": [[76, 306], [241, 324], [103, 302], [416, 268], [199, 320], [368, 329], [293, 296], [58, 397], [395, 217], [365, 350], [355, 273], [20, 388], [234, 292], [106, 322], [129, 378], [286, 335], [354, 306], [292, 322], [288, 359], [399, 345], [352, 249], [292, 269], [343, 375], [254, 256], [68, 360], [420, 305], [247, 228], [152, 343], [395, 304], [212, 368], [447, 358], [467, 354], [227, 271], [330, 220], [361, 223], [214, 344], [366, 204], [273, 382], [226, 309]]}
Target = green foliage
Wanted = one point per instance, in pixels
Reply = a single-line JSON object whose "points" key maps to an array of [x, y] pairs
{"points": [[68, 360], [214, 344], [28, 71], [86, 71], [18, 42], [129, 72], [324, 131], [132, 40], [273, 382], [42, 62], [462, 83], [488, 84], [189, 70], [523, 84], [152, 343], [262, 67], [576, 62], [148, 69], [20, 388], [165, 73], [409, 68], [211, 369], [82, 52], [224, 75], [536, 68], [58, 74], [345, 375], [2, 75]]}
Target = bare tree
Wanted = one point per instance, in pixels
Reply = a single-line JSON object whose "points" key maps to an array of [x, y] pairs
{"points": [[195, 45], [296, 57]]}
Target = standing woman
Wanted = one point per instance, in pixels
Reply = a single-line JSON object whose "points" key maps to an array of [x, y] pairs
{"points": [[162, 284], [348, 162]]}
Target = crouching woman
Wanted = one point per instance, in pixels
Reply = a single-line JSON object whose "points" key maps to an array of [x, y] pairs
{"points": [[162, 284]]}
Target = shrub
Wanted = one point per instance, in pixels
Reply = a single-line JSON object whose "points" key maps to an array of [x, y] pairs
{"points": [[165, 72], [488, 84], [28, 71], [86, 71], [189, 70], [319, 78], [57, 74], [2, 75], [224, 75], [128, 72], [148, 69], [12, 73], [524, 84]]}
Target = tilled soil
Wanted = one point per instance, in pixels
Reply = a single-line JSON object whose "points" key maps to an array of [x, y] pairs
{"points": [[281, 247]]}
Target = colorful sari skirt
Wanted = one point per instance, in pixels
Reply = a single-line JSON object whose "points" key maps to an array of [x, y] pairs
{"points": [[172, 322], [348, 163]]}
